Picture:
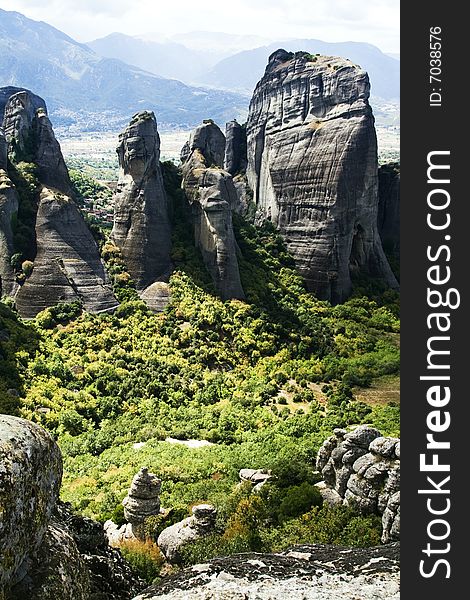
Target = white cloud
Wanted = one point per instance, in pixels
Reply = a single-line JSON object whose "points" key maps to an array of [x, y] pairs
{"points": [[373, 21]]}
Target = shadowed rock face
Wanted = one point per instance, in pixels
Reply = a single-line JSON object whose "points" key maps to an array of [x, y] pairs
{"points": [[141, 222], [8, 210], [388, 219], [235, 148], [313, 168], [67, 266], [30, 137], [8, 91], [212, 196]]}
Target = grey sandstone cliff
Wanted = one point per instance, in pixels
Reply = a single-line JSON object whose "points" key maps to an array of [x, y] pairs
{"points": [[8, 212], [236, 159], [67, 264], [388, 218], [363, 468], [30, 137], [47, 552], [141, 220], [211, 193], [312, 166], [314, 572]]}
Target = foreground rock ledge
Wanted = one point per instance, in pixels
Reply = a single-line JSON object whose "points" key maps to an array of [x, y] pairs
{"points": [[316, 572]]}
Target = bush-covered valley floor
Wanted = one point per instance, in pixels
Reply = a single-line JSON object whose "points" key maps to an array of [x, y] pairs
{"points": [[265, 381]]}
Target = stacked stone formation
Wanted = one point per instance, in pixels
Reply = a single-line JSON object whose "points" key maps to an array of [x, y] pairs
{"points": [[363, 468], [204, 517], [143, 498]]}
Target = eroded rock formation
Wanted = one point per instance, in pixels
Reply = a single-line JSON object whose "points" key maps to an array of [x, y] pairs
{"points": [[67, 266], [310, 572], [235, 148], [30, 137], [363, 468], [45, 550], [141, 221], [312, 166], [173, 538], [212, 196], [8, 212], [142, 500], [388, 218]]}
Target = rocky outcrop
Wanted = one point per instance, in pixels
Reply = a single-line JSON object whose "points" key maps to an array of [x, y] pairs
{"points": [[212, 196], [30, 476], [312, 166], [67, 267], [209, 139], [173, 538], [46, 551], [142, 500], [3, 152], [310, 572], [141, 221], [257, 477], [388, 218], [8, 212], [30, 137], [236, 158], [7, 92], [363, 468]]}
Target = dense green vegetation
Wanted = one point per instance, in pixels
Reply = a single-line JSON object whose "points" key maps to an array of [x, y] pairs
{"points": [[265, 381]]}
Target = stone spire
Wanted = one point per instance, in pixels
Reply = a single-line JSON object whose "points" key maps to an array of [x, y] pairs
{"points": [[142, 500]]}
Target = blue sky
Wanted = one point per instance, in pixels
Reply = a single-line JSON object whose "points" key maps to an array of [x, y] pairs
{"points": [[373, 21]]}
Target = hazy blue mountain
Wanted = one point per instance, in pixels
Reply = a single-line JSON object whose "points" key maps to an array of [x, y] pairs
{"points": [[167, 59], [85, 90], [242, 71]]}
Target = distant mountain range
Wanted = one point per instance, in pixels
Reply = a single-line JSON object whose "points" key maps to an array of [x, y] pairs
{"points": [[201, 60], [85, 91], [99, 86]]}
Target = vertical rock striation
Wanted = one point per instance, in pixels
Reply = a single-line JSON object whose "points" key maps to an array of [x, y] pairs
{"points": [[211, 193], [141, 221], [312, 166], [235, 148], [30, 137], [388, 218], [67, 265], [8, 213]]}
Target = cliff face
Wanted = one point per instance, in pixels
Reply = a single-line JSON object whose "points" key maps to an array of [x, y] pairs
{"points": [[67, 265], [29, 134], [141, 222], [235, 148], [312, 166], [388, 218], [45, 550], [8, 211], [211, 193]]}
